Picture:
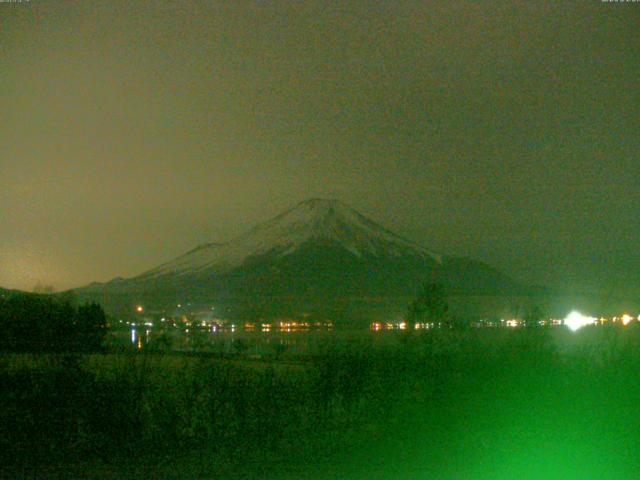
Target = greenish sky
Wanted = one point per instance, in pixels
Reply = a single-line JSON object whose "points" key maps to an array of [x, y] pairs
{"points": [[505, 131]]}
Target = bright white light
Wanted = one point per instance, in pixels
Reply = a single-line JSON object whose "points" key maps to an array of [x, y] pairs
{"points": [[576, 320], [626, 319], [139, 308]]}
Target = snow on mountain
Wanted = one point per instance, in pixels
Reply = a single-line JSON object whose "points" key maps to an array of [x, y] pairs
{"points": [[314, 220]]}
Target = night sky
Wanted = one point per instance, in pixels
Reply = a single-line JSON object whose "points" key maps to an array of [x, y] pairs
{"points": [[506, 131]]}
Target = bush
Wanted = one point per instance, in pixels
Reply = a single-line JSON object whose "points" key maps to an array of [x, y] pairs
{"points": [[44, 323], [450, 402]]}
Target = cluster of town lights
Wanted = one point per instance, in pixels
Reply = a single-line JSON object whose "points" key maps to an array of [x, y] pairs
{"points": [[214, 325], [574, 321]]}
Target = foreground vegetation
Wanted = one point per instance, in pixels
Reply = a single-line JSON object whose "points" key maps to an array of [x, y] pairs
{"points": [[473, 404]]}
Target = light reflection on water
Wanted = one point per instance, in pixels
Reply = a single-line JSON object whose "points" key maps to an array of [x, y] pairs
{"points": [[247, 342]]}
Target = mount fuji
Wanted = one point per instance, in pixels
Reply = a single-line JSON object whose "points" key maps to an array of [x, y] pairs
{"points": [[321, 256]]}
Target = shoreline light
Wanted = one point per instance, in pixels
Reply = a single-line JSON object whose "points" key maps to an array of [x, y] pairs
{"points": [[575, 320]]}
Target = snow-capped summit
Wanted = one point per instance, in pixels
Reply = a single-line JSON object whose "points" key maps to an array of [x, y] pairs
{"points": [[314, 220]]}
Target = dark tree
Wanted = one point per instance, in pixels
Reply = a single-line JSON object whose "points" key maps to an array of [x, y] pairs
{"points": [[91, 326], [45, 323], [532, 316], [429, 306]]}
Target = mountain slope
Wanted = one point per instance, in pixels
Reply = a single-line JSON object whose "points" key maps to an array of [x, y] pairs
{"points": [[318, 256], [326, 221]]}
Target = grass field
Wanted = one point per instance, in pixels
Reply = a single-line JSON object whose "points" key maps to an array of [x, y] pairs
{"points": [[494, 404]]}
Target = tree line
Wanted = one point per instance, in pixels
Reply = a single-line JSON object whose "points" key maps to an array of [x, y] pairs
{"points": [[50, 323], [431, 306]]}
